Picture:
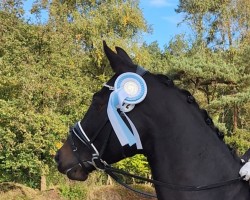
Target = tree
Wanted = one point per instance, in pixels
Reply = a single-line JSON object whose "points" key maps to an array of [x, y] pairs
{"points": [[222, 34], [49, 73]]}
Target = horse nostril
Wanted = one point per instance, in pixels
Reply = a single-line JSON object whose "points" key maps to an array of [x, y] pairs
{"points": [[57, 157]]}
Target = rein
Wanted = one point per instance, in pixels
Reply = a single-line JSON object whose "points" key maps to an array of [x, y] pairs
{"points": [[101, 165], [110, 170]]}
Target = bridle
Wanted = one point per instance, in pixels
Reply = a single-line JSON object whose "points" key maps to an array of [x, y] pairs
{"points": [[96, 162]]}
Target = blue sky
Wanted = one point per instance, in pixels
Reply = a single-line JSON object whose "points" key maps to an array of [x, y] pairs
{"points": [[160, 14]]}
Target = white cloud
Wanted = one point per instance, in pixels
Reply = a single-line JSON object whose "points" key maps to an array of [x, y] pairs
{"points": [[160, 3], [173, 19]]}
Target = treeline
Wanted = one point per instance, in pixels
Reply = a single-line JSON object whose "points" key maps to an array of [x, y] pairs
{"points": [[49, 70]]}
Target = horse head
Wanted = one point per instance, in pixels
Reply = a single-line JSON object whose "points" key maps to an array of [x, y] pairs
{"points": [[93, 142], [139, 112]]}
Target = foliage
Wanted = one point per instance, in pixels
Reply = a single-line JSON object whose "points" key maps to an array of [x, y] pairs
{"points": [[137, 165], [221, 43], [73, 192], [240, 140], [49, 72], [78, 190]]}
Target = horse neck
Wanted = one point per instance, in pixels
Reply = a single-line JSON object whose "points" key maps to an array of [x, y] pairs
{"points": [[181, 148]]}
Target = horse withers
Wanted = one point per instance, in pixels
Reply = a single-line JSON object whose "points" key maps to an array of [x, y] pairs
{"points": [[137, 112]]}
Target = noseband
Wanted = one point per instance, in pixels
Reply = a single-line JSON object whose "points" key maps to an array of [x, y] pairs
{"points": [[95, 160]]}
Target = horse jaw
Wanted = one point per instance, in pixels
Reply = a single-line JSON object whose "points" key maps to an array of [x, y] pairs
{"points": [[76, 173]]}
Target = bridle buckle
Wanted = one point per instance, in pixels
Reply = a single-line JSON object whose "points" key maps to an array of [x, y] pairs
{"points": [[98, 163], [75, 148]]}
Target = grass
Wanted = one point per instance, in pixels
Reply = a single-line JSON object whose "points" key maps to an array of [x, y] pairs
{"points": [[115, 192], [15, 191], [73, 191]]}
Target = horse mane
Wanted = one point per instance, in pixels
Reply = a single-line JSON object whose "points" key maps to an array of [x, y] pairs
{"points": [[191, 100]]}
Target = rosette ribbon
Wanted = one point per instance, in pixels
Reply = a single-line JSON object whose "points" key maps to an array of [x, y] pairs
{"points": [[129, 88]]}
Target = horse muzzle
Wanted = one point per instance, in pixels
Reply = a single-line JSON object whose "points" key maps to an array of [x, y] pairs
{"points": [[76, 172], [73, 171]]}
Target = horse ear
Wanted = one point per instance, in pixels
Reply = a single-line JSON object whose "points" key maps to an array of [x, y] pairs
{"points": [[123, 54], [119, 62]]}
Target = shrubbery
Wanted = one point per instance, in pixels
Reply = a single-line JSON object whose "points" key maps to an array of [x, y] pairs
{"points": [[49, 72]]}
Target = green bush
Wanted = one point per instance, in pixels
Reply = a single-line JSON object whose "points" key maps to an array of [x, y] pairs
{"points": [[73, 191]]}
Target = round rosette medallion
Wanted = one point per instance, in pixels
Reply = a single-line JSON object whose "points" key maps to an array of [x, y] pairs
{"points": [[134, 86]]}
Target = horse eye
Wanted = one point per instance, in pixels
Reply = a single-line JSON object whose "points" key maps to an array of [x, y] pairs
{"points": [[99, 100], [97, 104], [100, 107]]}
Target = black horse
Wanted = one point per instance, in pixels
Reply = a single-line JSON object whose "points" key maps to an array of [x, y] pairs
{"points": [[183, 147]]}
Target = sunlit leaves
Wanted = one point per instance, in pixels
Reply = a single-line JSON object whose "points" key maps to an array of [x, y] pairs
{"points": [[49, 73]]}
